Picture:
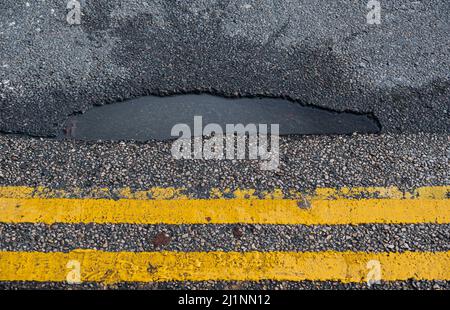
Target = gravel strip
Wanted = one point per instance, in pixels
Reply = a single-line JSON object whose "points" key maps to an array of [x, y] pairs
{"points": [[232, 285], [406, 161], [199, 238]]}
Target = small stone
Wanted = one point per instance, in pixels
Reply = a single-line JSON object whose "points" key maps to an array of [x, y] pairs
{"points": [[161, 239], [237, 232]]}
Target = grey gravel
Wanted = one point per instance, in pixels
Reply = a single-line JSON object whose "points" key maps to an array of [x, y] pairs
{"points": [[198, 238], [406, 161], [233, 285]]}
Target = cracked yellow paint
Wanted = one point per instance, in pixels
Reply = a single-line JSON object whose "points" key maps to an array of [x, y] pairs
{"points": [[223, 211], [109, 267], [22, 205], [163, 193]]}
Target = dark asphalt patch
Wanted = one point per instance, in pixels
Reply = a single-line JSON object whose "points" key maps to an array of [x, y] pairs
{"points": [[154, 117], [322, 53]]}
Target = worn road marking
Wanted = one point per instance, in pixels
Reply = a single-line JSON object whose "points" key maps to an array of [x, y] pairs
{"points": [[160, 193], [433, 206], [109, 267]]}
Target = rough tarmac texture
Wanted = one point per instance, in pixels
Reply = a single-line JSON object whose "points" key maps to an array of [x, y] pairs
{"points": [[320, 53], [221, 285], [200, 238], [405, 161]]}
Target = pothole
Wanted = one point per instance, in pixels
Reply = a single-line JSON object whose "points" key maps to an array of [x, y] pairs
{"points": [[153, 117]]}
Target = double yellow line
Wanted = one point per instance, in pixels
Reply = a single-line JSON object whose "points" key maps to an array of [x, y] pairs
{"points": [[171, 206]]}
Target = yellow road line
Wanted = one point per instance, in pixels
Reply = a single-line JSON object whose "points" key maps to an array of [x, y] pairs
{"points": [[224, 211], [158, 193], [171, 206], [391, 192], [109, 267], [124, 193]]}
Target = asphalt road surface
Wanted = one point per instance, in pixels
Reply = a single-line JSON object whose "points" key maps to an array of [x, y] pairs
{"points": [[408, 162], [318, 53], [132, 216]]}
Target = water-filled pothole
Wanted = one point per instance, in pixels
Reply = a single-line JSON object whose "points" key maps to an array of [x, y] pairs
{"points": [[153, 117]]}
